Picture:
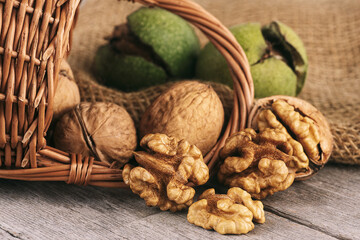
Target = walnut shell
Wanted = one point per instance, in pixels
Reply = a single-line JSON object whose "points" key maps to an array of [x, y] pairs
{"points": [[188, 110], [103, 130], [325, 142], [67, 94]]}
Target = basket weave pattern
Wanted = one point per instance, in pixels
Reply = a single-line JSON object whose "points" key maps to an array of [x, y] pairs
{"points": [[35, 37]]}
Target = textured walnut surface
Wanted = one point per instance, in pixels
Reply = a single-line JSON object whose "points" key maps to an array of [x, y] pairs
{"points": [[260, 163], [67, 93], [188, 110], [227, 214], [301, 122], [166, 166], [103, 130]]}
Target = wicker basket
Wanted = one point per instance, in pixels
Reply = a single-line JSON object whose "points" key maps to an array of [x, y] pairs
{"points": [[37, 35]]}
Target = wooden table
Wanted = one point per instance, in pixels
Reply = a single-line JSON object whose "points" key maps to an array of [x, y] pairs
{"points": [[323, 207]]}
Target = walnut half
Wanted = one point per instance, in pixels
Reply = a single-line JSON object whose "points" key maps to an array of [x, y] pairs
{"points": [[227, 214], [165, 168], [260, 163], [293, 141], [301, 122]]}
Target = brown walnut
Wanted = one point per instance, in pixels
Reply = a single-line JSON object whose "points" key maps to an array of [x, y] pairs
{"points": [[301, 122], [188, 110], [67, 94], [232, 213], [260, 163], [165, 168], [103, 130]]}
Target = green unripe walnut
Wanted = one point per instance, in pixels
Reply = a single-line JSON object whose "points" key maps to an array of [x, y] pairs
{"points": [[281, 79], [151, 48], [126, 72], [276, 55]]}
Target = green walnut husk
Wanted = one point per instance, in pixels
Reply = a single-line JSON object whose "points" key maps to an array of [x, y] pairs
{"points": [[151, 48], [276, 54], [126, 72]]}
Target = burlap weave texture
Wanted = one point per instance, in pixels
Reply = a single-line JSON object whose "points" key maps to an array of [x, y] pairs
{"points": [[330, 30]]}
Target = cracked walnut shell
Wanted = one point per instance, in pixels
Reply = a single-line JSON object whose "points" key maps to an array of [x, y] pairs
{"points": [[301, 122], [102, 130], [165, 168], [260, 163], [232, 213]]}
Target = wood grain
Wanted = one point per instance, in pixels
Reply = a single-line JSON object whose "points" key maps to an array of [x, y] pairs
{"points": [[7, 235], [326, 203], [323, 207]]}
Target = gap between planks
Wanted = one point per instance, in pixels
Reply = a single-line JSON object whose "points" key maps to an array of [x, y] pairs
{"points": [[302, 222], [6, 234]]}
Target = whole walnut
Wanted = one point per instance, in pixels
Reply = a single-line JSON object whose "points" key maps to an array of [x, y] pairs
{"points": [[188, 110], [67, 94], [103, 130]]}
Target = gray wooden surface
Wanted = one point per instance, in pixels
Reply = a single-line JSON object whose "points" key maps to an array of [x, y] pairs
{"points": [[323, 207]]}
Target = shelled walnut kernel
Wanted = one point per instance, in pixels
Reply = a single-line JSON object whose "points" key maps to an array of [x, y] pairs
{"points": [[227, 214], [299, 121], [260, 163], [293, 142], [165, 168]]}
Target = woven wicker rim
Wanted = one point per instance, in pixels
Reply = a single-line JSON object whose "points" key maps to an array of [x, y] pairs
{"points": [[226, 43], [54, 165]]}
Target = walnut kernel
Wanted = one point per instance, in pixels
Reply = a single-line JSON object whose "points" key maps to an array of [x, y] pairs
{"points": [[300, 122], [260, 163], [165, 168], [227, 214]]}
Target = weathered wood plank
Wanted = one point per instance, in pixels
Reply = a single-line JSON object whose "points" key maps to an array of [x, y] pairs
{"points": [[55, 210], [328, 202], [46, 210], [316, 209], [165, 224], [7, 234]]}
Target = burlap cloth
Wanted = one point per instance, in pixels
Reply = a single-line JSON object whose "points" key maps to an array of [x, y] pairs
{"points": [[330, 30]]}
